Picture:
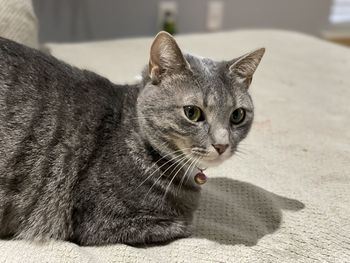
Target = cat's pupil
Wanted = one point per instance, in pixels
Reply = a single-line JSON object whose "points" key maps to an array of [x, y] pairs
{"points": [[194, 113], [238, 116]]}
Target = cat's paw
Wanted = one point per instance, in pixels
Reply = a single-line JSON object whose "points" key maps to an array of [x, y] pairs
{"points": [[163, 232]]}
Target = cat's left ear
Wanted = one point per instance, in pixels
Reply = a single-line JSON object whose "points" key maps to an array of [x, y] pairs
{"points": [[245, 66]]}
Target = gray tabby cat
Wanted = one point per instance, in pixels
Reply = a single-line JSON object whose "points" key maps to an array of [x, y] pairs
{"points": [[87, 161]]}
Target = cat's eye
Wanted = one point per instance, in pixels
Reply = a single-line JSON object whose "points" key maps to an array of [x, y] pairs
{"points": [[237, 116], [193, 113]]}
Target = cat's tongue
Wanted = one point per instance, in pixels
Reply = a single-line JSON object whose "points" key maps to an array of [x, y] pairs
{"points": [[200, 178]]}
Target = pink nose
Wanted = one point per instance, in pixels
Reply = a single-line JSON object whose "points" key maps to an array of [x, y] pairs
{"points": [[220, 148]]}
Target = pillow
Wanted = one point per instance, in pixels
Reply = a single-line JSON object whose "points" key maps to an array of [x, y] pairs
{"points": [[18, 22]]}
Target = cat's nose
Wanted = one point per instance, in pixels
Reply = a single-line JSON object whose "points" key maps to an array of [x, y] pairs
{"points": [[220, 148]]}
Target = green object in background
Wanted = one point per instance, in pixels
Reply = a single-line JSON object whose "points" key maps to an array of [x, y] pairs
{"points": [[169, 24]]}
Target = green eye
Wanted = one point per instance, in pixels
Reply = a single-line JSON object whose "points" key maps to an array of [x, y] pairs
{"points": [[194, 113], [237, 116]]}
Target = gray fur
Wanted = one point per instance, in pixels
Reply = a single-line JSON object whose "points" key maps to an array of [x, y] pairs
{"points": [[84, 160]]}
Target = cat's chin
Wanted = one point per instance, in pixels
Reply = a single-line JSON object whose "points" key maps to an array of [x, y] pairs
{"points": [[211, 158], [208, 163]]}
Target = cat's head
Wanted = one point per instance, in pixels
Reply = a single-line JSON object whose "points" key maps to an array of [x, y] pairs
{"points": [[195, 109]]}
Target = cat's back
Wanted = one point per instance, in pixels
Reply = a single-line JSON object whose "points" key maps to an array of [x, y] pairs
{"points": [[30, 79], [44, 101], [28, 76], [30, 69]]}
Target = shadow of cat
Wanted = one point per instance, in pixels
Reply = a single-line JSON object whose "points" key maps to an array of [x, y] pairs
{"points": [[234, 212]]}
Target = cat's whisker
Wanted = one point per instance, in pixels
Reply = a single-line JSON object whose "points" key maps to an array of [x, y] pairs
{"points": [[245, 143], [149, 176], [180, 150], [185, 174], [197, 161], [177, 162], [172, 179], [240, 157], [246, 147], [244, 152], [238, 152]]}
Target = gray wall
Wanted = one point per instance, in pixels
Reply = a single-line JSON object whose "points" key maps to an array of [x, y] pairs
{"points": [[80, 20]]}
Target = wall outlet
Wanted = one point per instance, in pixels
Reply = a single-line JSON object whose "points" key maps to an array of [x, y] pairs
{"points": [[215, 15], [163, 8]]}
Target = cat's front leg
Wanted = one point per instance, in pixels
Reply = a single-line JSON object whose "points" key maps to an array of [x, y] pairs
{"points": [[137, 231], [161, 232]]}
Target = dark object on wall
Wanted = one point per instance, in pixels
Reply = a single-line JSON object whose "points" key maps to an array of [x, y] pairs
{"points": [[169, 24]]}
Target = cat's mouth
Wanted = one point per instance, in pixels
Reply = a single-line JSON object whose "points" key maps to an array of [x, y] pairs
{"points": [[208, 158], [199, 152]]}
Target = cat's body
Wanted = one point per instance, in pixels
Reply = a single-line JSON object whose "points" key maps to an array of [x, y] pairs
{"points": [[80, 161]]}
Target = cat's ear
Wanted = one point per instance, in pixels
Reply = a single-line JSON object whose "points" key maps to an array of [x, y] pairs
{"points": [[245, 66], [165, 57]]}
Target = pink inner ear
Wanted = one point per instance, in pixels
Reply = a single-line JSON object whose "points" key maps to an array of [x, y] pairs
{"points": [[249, 80], [246, 68], [154, 74]]}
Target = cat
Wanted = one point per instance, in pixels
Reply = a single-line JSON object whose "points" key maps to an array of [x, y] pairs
{"points": [[94, 163]]}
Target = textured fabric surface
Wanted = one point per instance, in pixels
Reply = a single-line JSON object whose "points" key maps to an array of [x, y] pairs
{"points": [[285, 197], [18, 22]]}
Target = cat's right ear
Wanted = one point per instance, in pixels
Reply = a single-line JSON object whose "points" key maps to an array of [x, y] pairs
{"points": [[165, 57]]}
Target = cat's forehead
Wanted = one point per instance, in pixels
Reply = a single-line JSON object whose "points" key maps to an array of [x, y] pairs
{"points": [[210, 78], [204, 67]]}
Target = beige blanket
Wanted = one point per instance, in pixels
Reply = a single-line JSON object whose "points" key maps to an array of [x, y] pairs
{"points": [[286, 197], [18, 22]]}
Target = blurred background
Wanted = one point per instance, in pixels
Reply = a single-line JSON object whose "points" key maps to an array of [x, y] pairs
{"points": [[88, 20]]}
